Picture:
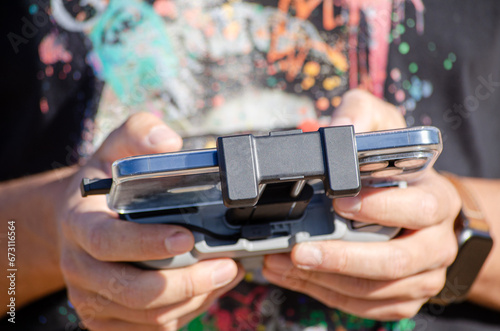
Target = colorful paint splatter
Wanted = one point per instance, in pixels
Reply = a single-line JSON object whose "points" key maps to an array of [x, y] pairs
{"points": [[219, 66]]}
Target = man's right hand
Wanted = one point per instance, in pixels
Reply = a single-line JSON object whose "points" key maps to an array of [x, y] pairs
{"points": [[109, 294]]}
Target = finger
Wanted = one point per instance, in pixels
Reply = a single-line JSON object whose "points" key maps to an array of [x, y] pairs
{"points": [[212, 297], [419, 286], [417, 206], [97, 306], [146, 289], [142, 133], [101, 307], [108, 239], [119, 325], [412, 253], [383, 310], [367, 112]]}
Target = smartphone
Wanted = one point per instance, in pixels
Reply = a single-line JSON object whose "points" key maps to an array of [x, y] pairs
{"points": [[191, 178]]}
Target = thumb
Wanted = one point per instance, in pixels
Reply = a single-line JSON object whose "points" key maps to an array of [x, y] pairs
{"points": [[142, 133], [367, 113]]}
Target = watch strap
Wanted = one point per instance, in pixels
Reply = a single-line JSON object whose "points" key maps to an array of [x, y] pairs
{"points": [[474, 244]]}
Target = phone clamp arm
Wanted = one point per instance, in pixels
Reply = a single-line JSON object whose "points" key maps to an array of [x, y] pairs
{"points": [[248, 163]]}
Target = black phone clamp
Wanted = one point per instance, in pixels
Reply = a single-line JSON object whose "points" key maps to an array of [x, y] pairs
{"points": [[248, 163]]}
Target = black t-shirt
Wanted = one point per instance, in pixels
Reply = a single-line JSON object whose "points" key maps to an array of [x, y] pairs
{"points": [[42, 119], [442, 70], [458, 53]]}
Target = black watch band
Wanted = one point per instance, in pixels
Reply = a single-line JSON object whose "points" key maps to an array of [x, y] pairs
{"points": [[474, 245]]}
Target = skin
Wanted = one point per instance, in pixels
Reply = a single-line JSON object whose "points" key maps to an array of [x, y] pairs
{"points": [[390, 280], [78, 243]]}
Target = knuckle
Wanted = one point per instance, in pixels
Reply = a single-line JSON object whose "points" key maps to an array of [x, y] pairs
{"points": [[434, 285], [342, 261], [68, 267], [189, 287], [384, 208], [360, 286], [454, 200], [447, 249], [456, 207], [429, 209], [97, 243], [401, 261], [455, 203], [449, 252]]}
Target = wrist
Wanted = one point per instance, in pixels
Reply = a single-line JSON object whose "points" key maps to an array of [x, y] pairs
{"points": [[59, 189], [486, 288], [33, 202], [474, 246]]}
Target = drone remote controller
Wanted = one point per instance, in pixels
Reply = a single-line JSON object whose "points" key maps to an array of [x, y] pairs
{"points": [[259, 195]]}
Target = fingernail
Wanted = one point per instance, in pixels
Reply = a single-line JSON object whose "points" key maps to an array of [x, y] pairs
{"points": [[339, 121], [161, 134], [179, 242], [349, 206], [224, 272], [308, 256]]}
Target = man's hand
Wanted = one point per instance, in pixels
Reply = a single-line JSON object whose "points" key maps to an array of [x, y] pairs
{"points": [[109, 294], [386, 280]]}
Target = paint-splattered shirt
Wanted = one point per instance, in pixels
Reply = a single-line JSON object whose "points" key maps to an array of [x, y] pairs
{"points": [[221, 66]]}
